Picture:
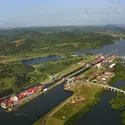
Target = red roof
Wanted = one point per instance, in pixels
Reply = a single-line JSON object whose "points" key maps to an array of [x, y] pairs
{"points": [[109, 73]]}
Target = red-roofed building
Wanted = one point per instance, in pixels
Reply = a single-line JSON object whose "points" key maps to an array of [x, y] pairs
{"points": [[110, 74]]}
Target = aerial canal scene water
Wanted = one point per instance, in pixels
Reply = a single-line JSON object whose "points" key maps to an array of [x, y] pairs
{"points": [[62, 62]]}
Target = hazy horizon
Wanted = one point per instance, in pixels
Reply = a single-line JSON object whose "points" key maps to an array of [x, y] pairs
{"points": [[16, 27], [48, 13]]}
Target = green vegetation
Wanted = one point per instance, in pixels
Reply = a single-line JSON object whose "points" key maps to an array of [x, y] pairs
{"points": [[70, 112], [54, 67], [118, 102], [23, 44], [119, 73], [15, 77], [95, 98], [54, 121]]}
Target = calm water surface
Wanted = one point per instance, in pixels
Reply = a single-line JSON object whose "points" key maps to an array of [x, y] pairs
{"points": [[42, 59], [119, 45]]}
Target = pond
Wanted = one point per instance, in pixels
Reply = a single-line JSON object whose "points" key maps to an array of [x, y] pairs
{"points": [[41, 59]]}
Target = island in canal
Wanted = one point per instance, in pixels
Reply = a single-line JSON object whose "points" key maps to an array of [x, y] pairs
{"points": [[48, 57]]}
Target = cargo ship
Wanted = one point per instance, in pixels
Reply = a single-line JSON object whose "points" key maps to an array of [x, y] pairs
{"points": [[98, 60], [16, 99]]}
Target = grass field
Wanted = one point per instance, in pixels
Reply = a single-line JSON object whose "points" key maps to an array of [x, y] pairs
{"points": [[68, 110], [63, 67], [8, 81], [40, 72], [54, 121]]}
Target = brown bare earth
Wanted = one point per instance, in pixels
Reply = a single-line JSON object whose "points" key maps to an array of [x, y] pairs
{"points": [[18, 42], [115, 35], [76, 99]]}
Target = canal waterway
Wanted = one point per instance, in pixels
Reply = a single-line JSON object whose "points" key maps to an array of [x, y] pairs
{"points": [[35, 109], [102, 113], [119, 45]]}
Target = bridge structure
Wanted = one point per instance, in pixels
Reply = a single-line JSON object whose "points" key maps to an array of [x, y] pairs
{"points": [[107, 87], [107, 55]]}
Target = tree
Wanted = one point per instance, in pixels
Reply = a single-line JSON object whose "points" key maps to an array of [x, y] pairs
{"points": [[21, 80]]}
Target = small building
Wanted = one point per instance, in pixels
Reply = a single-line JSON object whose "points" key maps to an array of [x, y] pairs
{"points": [[109, 74], [98, 65], [78, 78], [103, 79], [112, 65]]}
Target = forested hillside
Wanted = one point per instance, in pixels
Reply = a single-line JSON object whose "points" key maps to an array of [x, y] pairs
{"points": [[29, 43], [25, 43]]}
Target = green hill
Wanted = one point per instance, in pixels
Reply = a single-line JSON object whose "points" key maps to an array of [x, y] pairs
{"points": [[24, 43]]}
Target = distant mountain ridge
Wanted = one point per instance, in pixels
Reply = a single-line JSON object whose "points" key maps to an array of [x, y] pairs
{"points": [[47, 28]]}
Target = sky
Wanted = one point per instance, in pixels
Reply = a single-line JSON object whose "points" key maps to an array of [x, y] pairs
{"points": [[27, 13]]}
